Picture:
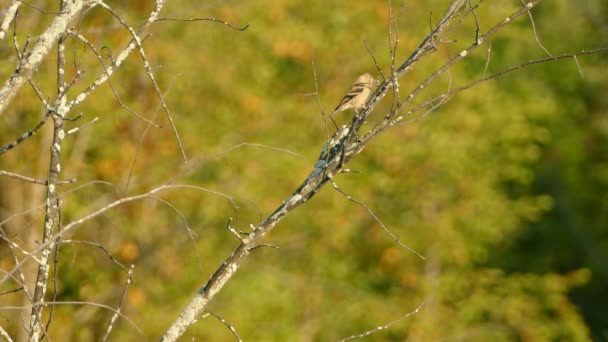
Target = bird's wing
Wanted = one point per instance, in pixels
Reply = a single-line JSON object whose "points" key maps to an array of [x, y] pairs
{"points": [[357, 89]]}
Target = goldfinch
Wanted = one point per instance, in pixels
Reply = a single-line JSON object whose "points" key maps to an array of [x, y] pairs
{"points": [[357, 94]]}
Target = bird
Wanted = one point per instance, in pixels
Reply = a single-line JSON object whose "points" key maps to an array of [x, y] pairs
{"points": [[357, 95]]}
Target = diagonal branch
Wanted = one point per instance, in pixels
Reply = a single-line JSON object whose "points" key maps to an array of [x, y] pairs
{"points": [[341, 148], [41, 48]]}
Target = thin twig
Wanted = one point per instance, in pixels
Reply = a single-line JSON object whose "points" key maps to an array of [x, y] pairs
{"points": [[39, 8], [25, 135], [226, 324], [378, 68], [243, 28], [99, 246], [377, 219], [318, 98], [77, 129], [103, 306], [137, 40], [105, 69], [34, 180], [233, 231], [76, 223], [382, 327], [488, 55], [41, 48], [140, 143], [534, 30], [444, 96], [122, 302]]}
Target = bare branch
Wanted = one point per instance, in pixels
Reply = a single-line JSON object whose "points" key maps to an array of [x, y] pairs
{"points": [[318, 98], [233, 231], [21, 277], [138, 42], [39, 9], [225, 323], [580, 70], [386, 326], [342, 147], [122, 302], [534, 30], [243, 28], [105, 69], [141, 140], [103, 306], [488, 55], [101, 247], [77, 129], [41, 48], [191, 232], [122, 56], [444, 96], [52, 212], [33, 180], [9, 15], [377, 219], [25, 135], [424, 48], [264, 245], [371, 54], [76, 223], [4, 334]]}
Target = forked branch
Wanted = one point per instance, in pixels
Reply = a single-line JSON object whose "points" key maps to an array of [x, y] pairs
{"points": [[341, 148]]}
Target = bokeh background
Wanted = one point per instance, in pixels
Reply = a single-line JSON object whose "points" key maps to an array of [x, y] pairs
{"points": [[504, 189]]}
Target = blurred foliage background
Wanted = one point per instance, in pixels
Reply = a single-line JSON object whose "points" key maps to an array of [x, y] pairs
{"points": [[504, 189]]}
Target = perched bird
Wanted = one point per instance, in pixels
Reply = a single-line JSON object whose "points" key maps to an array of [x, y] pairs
{"points": [[357, 94]]}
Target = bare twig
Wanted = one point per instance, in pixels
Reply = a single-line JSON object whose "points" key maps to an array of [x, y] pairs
{"points": [[580, 70], [265, 245], [122, 302], [382, 327], [141, 140], [13, 245], [476, 22], [103, 306], [21, 277], [242, 28], [100, 59], [377, 219], [371, 54], [318, 98], [101, 247], [25, 135], [122, 56], [77, 129], [39, 9], [4, 334], [33, 180], [426, 46], [446, 95], [534, 30], [488, 55], [9, 15], [40, 49], [137, 40], [233, 231], [226, 324], [76, 223], [393, 43], [12, 291], [342, 147]]}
